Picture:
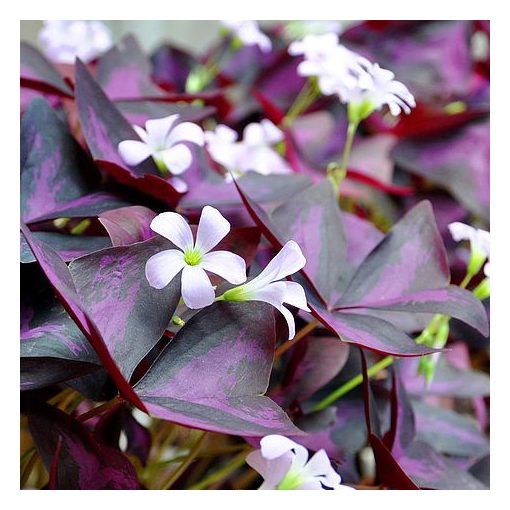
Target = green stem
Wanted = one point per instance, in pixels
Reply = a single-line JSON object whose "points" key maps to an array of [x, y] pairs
{"points": [[304, 99], [234, 464], [337, 173], [352, 383], [185, 464]]}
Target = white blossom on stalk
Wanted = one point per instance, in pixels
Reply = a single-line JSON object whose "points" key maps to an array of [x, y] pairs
{"points": [[64, 40], [267, 287], [163, 140], [376, 89], [284, 465], [194, 257], [254, 152], [479, 240], [249, 33]]}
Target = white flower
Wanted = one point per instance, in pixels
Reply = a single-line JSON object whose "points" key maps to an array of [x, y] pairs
{"points": [[376, 89], [300, 28], [64, 40], [194, 258], [163, 140], [335, 66], [249, 33], [284, 465], [255, 152], [266, 287], [479, 240]]}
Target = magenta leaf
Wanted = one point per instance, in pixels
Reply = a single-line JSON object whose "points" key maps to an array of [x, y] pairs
{"points": [[37, 73], [128, 225], [76, 461], [235, 341]]}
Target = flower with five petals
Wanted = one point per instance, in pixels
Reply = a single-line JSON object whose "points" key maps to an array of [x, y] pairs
{"points": [[194, 257]]}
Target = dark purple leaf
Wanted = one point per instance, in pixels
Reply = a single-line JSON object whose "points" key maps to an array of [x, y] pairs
{"points": [[458, 163], [482, 470], [54, 168], [448, 380], [86, 206], [431, 470], [449, 432], [128, 225], [120, 420], [214, 373], [124, 72], [39, 74], [104, 128], [77, 461], [130, 314], [59, 276], [171, 67], [67, 246], [313, 363]]}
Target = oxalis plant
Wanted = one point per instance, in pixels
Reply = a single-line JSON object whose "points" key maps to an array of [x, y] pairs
{"points": [[261, 268]]}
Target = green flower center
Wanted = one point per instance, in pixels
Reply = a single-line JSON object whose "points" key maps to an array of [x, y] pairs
{"points": [[291, 481], [192, 257], [236, 294]]}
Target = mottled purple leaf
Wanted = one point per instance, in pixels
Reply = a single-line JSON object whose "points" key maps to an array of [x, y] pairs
{"points": [[431, 470], [313, 363], [130, 314], [54, 168], [67, 246], [104, 128], [124, 72], [59, 276], [458, 163], [171, 66], [77, 461], [214, 373], [449, 432], [38, 73], [128, 225]]}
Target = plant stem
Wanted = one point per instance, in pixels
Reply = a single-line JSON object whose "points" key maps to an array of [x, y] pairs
{"points": [[99, 409], [352, 383], [185, 464], [337, 174], [234, 464], [299, 335], [304, 99]]}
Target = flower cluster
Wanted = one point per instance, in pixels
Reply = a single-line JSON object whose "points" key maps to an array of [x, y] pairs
{"points": [[249, 33], [254, 152]]}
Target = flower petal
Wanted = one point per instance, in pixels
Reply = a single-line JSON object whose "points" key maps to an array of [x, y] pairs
{"points": [[212, 228], [310, 485], [274, 445], [140, 132], [320, 466], [295, 296], [158, 129], [178, 184], [196, 288], [290, 321], [161, 268], [185, 132], [272, 471], [287, 261], [177, 159], [173, 227], [133, 152], [228, 265]]}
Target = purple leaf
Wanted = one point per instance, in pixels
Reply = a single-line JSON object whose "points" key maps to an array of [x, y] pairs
{"points": [[59, 276], [104, 128], [431, 470], [449, 432], [54, 168], [128, 225], [214, 373], [171, 67], [124, 72], [313, 363], [130, 314], [39, 74], [458, 163], [67, 246], [77, 460]]}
